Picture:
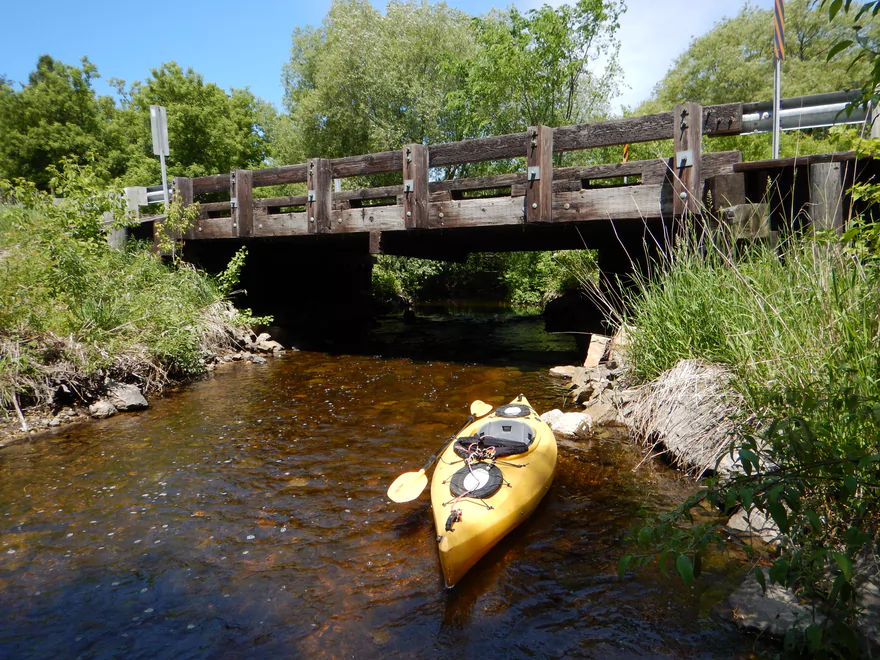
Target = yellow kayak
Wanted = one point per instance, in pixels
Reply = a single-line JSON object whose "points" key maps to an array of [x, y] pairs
{"points": [[488, 481]]}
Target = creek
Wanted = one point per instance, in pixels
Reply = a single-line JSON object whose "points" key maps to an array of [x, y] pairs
{"points": [[245, 515]]}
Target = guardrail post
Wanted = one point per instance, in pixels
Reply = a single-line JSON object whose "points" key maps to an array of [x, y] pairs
{"points": [[539, 175], [415, 186], [688, 138], [241, 199], [319, 179], [826, 196]]}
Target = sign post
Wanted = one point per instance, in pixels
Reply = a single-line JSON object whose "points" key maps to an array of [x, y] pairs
{"points": [[778, 56], [159, 125]]}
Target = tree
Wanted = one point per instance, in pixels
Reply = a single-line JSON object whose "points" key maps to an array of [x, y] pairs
{"points": [[209, 130], [56, 114], [734, 62], [534, 67], [366, 82]]}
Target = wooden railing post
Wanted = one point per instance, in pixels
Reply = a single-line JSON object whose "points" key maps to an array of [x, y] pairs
{"points": [[539, 175], [415, 186], [688, 139], [242, 202], [320, 195]]}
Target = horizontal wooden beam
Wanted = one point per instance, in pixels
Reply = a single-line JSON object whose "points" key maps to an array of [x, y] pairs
{"points": [[796, 161], [626, 204]]}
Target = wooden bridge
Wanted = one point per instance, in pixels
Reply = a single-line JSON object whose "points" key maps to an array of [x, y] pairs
{"points": [[622, 209]]}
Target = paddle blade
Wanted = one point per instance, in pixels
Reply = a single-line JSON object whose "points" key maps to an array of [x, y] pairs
{"points": [[480, 408], [407, 486]]}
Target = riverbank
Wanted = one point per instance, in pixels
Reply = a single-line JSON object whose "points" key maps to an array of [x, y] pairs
{"points": [[82, 323], [772, 357]]}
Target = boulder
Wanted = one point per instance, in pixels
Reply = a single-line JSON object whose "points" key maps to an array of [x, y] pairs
{"points": [[563, 372], [569, 425], [773, 613], [265, 344], [126, 397], [102, 409], [755, 523], [602, 413]]}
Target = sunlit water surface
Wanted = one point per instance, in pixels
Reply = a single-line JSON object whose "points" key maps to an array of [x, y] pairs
{"points": [[245, 516]]}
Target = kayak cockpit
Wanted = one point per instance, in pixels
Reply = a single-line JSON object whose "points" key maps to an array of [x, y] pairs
{"points": [[508, 437]]}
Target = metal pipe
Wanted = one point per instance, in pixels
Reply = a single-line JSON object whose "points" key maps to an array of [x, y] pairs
{"points": [[777, 95], [810, 117]]}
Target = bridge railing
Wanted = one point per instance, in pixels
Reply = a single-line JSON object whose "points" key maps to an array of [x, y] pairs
{"points": [[542, 194]]}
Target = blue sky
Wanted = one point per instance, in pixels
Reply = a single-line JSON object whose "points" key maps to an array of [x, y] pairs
{"points": [[238, 44]]}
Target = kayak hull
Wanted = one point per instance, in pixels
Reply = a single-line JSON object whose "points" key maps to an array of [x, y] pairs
{"points": [[485, 521]]}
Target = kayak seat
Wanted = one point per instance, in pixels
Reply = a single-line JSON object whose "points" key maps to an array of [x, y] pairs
{"points": [[509, 437]]}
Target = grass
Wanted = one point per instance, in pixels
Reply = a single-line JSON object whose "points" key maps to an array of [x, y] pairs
{"points": [[73, 311], [798, 329]]}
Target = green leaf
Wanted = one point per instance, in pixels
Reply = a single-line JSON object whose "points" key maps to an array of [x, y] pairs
{"points": [[851, 484], [762, 580], [779, 515], [623, 565], [645, 535], [814, 637], [813, 517], [839, 46], [845, 565], [833, 8], [661, 562], [685, 569], [779, 571]]}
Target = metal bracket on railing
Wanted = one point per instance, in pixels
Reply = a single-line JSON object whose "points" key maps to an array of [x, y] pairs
{"points": [[233, 203], [409, 185], [534, 173], [684, 158], [312, 196]]}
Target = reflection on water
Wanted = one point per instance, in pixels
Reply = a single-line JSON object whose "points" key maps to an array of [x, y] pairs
{"points": [[245, 516]]}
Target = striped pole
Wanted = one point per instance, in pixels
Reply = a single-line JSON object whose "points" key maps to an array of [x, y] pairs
{"points": [[778, 56], [625, 159]]}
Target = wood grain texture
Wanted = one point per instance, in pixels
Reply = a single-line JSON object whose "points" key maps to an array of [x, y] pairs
{"points": [[539, 190], [688, 137], [415, 201], [617, 131], [241, 190], [319, 204]]}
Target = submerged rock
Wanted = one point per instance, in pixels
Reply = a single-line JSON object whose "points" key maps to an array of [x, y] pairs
{"points": [[126, 397], [773, 613], [569, 425], [102, 409]]}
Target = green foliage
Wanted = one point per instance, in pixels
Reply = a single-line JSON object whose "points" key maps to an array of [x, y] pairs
{"points": [[521, 278], [209, 130], [69, 304], [860, 48], [534, 67], [56, 115], [800, 335], [705, 73], [179, 218], [367, 81]]}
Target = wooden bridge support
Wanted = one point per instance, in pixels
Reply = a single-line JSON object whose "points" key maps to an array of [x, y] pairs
{"points": [[315, 291]]}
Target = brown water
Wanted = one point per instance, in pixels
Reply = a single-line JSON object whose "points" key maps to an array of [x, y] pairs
{"points": [[245, 516]]}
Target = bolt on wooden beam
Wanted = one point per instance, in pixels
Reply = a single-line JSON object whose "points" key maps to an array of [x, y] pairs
{"points": [[415, 186], [320, 196], [539, 175]]}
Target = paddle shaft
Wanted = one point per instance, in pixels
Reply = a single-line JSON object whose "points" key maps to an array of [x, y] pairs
{"points": [[446, 444]]}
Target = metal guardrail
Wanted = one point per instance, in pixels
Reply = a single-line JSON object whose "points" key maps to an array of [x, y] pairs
{"points": [[814, 111]]}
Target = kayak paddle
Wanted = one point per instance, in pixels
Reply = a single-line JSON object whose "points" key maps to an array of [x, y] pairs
{"points": [[410, 485]]}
